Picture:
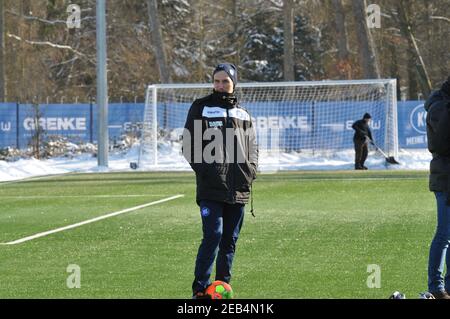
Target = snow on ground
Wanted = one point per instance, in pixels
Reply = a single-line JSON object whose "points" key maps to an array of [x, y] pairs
{"points": [[170, 159]]}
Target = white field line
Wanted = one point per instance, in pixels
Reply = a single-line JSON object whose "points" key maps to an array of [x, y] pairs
{"points": [[79, 196], [48, 177], [35, 178], [361, 179], [349, 179], [57, 230]]}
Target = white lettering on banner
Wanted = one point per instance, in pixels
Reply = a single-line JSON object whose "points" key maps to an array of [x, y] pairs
{"points": [[5, 127], [348, 125], [29, 124], [416, 140], [273, 122], [51, 124], [417, 119], [130, 126], [281, 122], [301, 122], [421, 119], [56, 124], [374, 125]]}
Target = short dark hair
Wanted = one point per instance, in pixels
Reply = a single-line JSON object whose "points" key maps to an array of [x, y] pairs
{"points": [[367, 116]]}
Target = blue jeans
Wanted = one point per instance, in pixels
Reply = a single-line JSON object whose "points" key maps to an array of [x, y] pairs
{"points": [[222, 224], [439, 255]]}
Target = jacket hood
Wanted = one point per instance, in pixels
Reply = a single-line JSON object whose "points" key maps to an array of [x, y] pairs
{"points": [[434, 97], [439, 95]]}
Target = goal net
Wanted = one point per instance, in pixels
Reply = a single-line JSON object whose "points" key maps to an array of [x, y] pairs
{"points": [[293, 120]]}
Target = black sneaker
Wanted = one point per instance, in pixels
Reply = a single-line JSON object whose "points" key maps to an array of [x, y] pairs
{"points": [[364, 168], [201, 295], [440, 295]]}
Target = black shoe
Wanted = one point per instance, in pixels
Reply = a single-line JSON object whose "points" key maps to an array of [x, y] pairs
{"points": [[440, 295], [364, 167], [201, 295], [359, 168]]}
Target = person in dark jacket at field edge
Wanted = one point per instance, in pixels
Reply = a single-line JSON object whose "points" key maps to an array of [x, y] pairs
{"points": [[225, 166], [438, 133], [361, 139]]}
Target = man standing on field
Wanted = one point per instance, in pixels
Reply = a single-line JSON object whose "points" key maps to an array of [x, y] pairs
{"points": [[224, 173], [361, 139], [438, 133]]}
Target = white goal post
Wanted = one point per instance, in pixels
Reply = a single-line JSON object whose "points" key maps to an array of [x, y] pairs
{"points": [[304, 119]]}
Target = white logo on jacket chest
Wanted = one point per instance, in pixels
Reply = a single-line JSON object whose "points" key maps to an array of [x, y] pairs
{"points": [[215, 111], [239, 114], [215, 124]]}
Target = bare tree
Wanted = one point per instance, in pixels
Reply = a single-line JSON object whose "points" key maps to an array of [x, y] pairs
{"points": [[158, 44], [366, 44], [38, 132], [236, 40], [2, 52], [401, 66], [405, 27], [343, 65], [288, 8], [42, 57], [201, 39]]}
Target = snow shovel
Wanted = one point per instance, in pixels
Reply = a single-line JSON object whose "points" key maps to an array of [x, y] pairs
{"points": [[389, 159]]}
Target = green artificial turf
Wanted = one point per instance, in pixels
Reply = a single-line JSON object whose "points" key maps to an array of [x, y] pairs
{"points": [[314, 236]]}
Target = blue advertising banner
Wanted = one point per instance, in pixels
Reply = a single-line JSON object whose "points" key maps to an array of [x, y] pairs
{"points": [[412, 127], [300, 125], [303, 125], [310, 125], [78, 122], [8, 125]]}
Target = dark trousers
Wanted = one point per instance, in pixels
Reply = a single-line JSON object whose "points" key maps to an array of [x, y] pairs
{"points": [[222, 224], [361, 151]]}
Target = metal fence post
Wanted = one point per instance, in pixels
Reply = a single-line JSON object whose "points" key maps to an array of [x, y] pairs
{"points": [[91, 120], [17, 126]]}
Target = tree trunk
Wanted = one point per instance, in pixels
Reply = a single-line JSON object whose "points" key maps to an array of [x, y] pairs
{"points": [[237, 42], [157, 41], [198, 8], [402, 62], [413, 86], [367, 51], [401, 51], [343, 64], [405, 27], [288, 9], [2, 53]]}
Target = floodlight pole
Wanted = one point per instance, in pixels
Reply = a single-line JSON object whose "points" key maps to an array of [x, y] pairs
{"points": [[102, 86]]}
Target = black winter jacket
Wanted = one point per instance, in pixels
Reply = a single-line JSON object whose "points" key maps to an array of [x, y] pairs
{"points": [[439, 165], [227, 175], [361, 131]]}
